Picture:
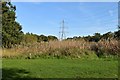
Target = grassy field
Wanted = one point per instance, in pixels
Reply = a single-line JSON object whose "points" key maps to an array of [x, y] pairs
{"points": [[59, 68]]}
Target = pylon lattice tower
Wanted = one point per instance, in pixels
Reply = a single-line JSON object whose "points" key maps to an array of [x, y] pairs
{"points": [[62, 33]]}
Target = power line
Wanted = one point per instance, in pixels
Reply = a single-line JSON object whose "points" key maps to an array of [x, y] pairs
{"points": [[62, 33]]}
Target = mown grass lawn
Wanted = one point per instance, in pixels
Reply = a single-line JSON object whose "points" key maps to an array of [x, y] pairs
{"points": [[59, 68]]}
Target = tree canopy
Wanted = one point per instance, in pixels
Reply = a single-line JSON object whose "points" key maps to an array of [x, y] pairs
{"points": [[11, 29]]}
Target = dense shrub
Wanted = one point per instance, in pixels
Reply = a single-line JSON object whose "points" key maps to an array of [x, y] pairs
{"points": [[74, 49]]}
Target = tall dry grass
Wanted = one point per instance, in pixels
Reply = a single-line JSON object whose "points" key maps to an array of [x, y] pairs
{"points": [[64, 48]]}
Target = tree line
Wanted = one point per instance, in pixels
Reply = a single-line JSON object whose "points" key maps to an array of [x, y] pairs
{"points": [[12, 33], [97, 36]]}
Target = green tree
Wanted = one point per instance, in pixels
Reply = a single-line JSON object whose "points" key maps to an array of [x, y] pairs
{"points": [[11, 30], [107, 36], [117, 33], [43, 38], [96, 37], [29, 38], [88, 38], [0, 24], [51, 38]]}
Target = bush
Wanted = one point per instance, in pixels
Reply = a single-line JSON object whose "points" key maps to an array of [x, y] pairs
{"points": [[60, 49]]}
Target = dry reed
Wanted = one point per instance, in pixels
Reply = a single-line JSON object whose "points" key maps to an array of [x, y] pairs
{"points": [[65, 48]]}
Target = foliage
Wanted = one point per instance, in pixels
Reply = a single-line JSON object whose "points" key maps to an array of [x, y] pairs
{"points": [[42, 38], [11, 30], [29, 38], [108, 36], [46, 38], [29, 43], [51, 38], [72, 49], [98, 37], [95, 38], [12, 34], [117, 33]]}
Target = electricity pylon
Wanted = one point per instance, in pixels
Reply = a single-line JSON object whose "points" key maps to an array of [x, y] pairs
{"points": [[62, 33]]}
